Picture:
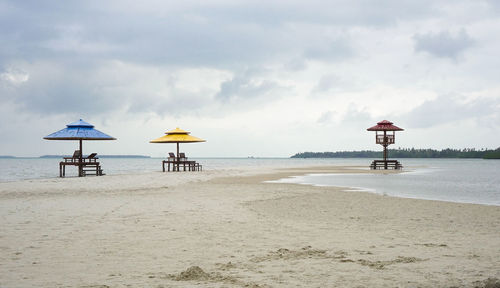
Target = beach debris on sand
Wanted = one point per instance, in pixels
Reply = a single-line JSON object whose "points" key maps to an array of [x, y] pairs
{"points": [[287, 254], [192, 273], [195, 273], [488, 283], [382, 264]]}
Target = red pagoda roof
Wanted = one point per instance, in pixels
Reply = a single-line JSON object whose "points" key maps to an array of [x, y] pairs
{"points": [[385, 126]]}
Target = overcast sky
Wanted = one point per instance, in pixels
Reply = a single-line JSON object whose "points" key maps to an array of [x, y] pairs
{"points": [[253, 78]]}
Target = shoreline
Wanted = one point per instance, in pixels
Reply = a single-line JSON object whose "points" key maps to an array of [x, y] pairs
{"points": [[266, 171], [229, 229], [29, 171], [371, 186]]}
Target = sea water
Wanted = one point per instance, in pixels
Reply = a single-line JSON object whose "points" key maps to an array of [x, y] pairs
{"points": [[13, 169], [457, 180]]}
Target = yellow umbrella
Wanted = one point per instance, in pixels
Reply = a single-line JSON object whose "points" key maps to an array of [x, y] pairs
{"points": [[177, 136]]}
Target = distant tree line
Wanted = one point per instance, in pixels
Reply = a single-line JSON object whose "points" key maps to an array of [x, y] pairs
{"points": [[407, 153]]}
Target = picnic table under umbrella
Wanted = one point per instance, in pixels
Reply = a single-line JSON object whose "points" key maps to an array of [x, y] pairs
{"points": [[79, 130], [177, 136]]}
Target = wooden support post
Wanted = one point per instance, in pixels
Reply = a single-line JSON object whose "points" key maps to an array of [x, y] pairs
{"points": [[80, 164], [385, 149]]}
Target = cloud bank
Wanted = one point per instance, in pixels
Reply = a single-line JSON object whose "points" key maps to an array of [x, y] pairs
{"points": [[265, 73]]}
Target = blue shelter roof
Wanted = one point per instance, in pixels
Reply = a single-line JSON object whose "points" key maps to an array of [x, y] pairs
{"points": [[79, 130], [80, 123]]}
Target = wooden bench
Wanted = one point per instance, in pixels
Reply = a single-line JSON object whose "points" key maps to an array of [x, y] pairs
{"points": [[74, 158]]}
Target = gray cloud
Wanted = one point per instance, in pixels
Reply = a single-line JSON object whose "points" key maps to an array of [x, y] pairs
{"points": [[336, 50], [185, 33], [244, 86], [140, 59], [79, 38], [178, 104], [328, 83], [325, 83], [352, 117], [357, 116], [325, 117], [45, 88], [340, 12], [296, 64], [446, 109], [494, 5], [443, 44], [53, 89]]}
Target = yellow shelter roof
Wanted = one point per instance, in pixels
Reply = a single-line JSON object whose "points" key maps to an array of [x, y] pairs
{"points": [[177, 131], [177, 136]]}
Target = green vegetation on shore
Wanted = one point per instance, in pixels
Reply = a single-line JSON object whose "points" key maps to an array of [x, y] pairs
{"points": [[407, 153]]}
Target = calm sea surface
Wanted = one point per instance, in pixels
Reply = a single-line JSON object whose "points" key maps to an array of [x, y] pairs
{"points": [[31, 168], [465, 181], [456, 180]]}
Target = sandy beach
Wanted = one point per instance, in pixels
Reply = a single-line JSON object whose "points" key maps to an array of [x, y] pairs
{"points": [[230, 228]]}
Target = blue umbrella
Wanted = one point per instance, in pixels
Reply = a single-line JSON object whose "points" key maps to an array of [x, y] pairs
{"points": [[79, 130]]}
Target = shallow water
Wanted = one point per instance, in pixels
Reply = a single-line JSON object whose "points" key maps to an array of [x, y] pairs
{"points": [[456, 180]]}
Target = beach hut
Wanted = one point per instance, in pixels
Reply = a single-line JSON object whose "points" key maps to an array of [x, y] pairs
{"points": [[178, 136], [385, 135], [79, 130]]}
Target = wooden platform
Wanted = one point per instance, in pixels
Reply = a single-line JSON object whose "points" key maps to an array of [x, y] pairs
{"points": [[86, 166], [387, 164], [178, 165]]}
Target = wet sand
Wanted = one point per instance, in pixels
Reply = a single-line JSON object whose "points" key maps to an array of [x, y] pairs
{"points": [[230, 229]]}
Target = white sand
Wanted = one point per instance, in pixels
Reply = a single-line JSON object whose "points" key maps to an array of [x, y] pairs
{"points": [[151, 230]]}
